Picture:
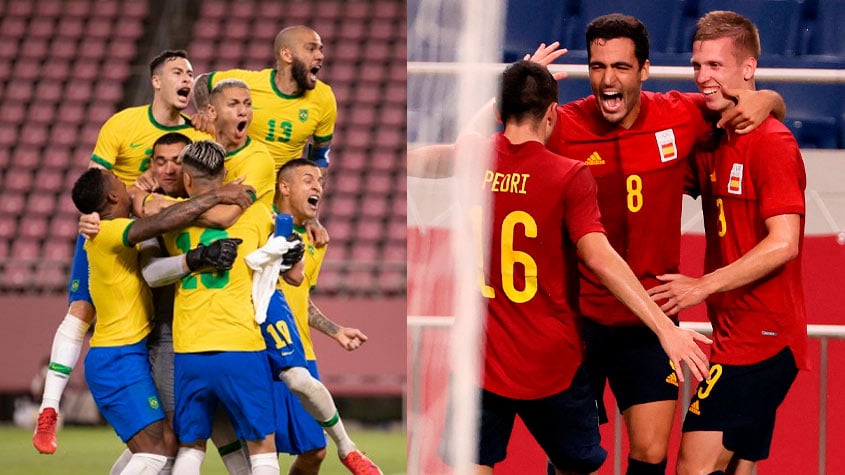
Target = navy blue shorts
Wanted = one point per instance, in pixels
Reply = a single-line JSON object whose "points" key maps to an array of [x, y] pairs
{"points": [[77, 287], [741, 402], [634, 363], [120, 382], [565, 425], [296, 430], [284, 346]]}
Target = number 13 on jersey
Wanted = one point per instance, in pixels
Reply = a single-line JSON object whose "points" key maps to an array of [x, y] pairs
{"points": [[510, 257]]}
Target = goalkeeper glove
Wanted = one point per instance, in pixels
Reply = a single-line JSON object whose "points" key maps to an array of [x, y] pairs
{"points": [[220, 255], [294, 254]]}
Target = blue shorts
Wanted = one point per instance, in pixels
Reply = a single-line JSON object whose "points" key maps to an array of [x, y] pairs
{"points": [[284, 346], [77, 287], [296, 430], [120, 381], [565, 425], [632, 361], [741, 402], [238, 380]]}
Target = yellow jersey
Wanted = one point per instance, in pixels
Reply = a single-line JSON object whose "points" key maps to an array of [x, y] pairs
{"points": [[125, 142], [120, 294], [213, 311], [254, 163], [282, 122], [299, 296]]}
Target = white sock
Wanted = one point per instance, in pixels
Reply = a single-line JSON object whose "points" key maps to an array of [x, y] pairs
{"points": [[265, 464], [188, 461], [67, 344], [121, 462], [168, 467], [144, 464], [317, 400]]}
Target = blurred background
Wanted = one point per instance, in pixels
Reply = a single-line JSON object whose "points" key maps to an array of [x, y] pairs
{"points": [[67, 65]]}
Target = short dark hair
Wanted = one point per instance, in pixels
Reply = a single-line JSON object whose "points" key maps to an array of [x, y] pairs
{"points": [[527, 90], [171, 138], [164, 56], [617, 25], [89, 191], [205, 158], [294, 164]]}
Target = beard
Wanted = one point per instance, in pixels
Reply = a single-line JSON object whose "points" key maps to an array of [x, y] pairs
{"points": [[300, 75]]}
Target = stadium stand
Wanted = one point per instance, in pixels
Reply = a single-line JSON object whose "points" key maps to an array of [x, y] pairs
{"points": [[794, 34], [61, 69], [65, 67]]}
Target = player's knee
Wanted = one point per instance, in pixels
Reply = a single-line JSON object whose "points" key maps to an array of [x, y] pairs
{"points": [[652, 452], [581, 459], [313, 457], [298, 380]]}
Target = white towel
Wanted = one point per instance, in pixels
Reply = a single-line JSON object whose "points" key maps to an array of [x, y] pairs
{"points": [[267, 263]]}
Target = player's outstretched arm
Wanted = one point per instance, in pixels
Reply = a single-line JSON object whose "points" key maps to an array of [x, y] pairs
{"points": [[185, 212], [779, 246], [432, 161], [680, 344], [348, 338]]}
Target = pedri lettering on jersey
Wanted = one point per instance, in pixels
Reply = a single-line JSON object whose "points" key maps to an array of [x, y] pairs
{"points": [[505, 182], [666, 145]]}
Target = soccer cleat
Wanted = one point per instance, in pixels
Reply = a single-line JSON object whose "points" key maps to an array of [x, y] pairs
{"points": [[359, 464], [44, 439]]}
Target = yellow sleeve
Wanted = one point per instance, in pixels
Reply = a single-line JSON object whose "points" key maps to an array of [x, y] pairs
{"points": [[325, 128], [107, 148]]}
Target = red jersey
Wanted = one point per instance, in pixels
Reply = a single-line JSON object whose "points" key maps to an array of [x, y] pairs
{"points": [[746, 180], [540, 205], [641, 174]]}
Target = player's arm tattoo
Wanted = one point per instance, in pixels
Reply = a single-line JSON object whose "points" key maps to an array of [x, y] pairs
{"points": [[318, 321], [176, 216]]}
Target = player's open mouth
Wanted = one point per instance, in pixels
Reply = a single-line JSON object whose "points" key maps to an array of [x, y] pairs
{"points": [[241, 126], [313, 200], [709, 90], [184, 92], [611, 101], [314, 71]]}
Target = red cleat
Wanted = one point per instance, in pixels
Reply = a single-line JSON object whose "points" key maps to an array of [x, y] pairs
{"points": [[359, 464], [44, 439]]}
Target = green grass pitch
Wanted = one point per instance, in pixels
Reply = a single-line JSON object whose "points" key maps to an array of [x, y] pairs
{"points": [[91, 450]]}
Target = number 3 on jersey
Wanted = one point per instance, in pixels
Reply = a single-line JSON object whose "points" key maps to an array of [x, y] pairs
{"points": [[216, 280], [510, 257]]}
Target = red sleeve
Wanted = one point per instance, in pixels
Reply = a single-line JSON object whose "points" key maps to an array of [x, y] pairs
{"points": [[581, 213], [779, 177]]}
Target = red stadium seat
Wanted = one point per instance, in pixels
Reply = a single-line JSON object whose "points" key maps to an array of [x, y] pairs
{"points": [[70, 27], [41, 27], [83, 9], [25, 248], [129, 28], [13, 27], [63, 226], [11, 202], [50, 275], [34, 227], [17, 180], [57, 249], [21, 9], [48, 180]]}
